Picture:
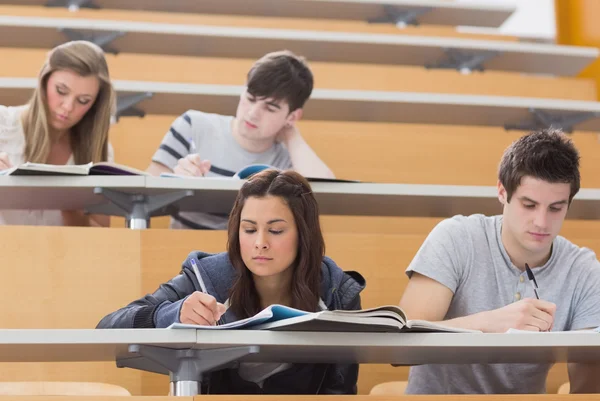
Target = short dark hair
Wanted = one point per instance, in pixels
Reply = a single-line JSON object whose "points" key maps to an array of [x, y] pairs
{"points": [[306, 282], [547, 155], [281, 75]]}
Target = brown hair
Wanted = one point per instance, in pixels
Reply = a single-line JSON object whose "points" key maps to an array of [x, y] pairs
{"points": [[282, 76], [548, 155], [306, 280], [89, 137]]}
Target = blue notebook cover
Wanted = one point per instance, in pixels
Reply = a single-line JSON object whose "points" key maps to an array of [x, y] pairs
{"points": [[271, 314]]}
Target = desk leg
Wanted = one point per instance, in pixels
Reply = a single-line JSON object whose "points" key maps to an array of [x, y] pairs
{"points": [[186, 367], [137, 208], [185, 388]]}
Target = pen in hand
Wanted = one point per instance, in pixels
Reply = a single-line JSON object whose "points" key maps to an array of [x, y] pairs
{"points": [[192, 145], [532, 280], [201, 282], [198, 276]]}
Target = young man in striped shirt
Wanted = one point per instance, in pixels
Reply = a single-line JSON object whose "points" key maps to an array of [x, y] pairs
{"points": [[263, 131]]}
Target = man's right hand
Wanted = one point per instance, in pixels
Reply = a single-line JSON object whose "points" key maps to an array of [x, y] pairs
{"points": [[526, 314], [201, 309], [4, 161], [192, 165]]}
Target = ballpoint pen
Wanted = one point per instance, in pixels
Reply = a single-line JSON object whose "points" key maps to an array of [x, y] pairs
{"points": [[201, 282], [532, 280]]}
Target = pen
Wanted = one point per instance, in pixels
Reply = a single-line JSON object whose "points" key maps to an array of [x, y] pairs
{"points": [[532, 280], [201, 282], [198, 277], [192, 145]]}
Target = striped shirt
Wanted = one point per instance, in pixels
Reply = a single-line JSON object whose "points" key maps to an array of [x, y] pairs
{"points": [[213, 140]]}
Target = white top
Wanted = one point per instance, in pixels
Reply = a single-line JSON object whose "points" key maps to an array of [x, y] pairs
{"points": [[12, 141]]}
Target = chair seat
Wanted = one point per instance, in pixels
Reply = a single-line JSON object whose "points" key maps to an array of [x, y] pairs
{"points": [[389, 388], [62, 389]]}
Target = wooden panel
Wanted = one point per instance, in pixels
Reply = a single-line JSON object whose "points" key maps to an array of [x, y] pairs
{"points": [[474, 397], [512, 397], [205, 70], [380, 152], [92, 398], [239, 21], [63, 278]]}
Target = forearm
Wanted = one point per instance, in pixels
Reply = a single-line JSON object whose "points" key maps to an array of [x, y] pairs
{"points": [[476, 321], [304, 159]]}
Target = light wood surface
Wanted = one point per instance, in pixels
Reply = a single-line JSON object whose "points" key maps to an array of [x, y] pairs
{"points": [[243, 21], [512, 397], [93, 398], [56, 277], [442, 12], [61, 389], [507, 397], [209, 70]]}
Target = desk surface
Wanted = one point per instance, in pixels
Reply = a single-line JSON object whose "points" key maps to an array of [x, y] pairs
{"points": [[344, 105], [313, 347], [369, 199], [217, 196], [61, 192], [246, 42], [409, 348], [442, 12], [79, 345]]}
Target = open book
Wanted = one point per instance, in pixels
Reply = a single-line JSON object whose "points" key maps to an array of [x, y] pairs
{"points": [[252, 169], [381, 319], [103, 168]]}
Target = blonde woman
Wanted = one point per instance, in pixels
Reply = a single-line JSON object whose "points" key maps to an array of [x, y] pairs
{"points": [[66, 121]]}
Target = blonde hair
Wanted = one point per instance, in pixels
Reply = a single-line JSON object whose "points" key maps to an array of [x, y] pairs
{"points": [[89, 137]]}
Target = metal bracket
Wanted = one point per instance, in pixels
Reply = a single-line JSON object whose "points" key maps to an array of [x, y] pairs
{"points": [[125, 105], [544, 120], [101, 39], [186, 367], [464, 62], [72, 5], [138, 208], [402, 18]]}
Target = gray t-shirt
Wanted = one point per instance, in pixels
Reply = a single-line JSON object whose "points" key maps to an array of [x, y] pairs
{"points": [[213, 140], [466, 254]]}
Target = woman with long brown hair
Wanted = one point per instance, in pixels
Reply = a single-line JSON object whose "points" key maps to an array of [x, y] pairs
{"points": [[275, 256], [66, 121]]}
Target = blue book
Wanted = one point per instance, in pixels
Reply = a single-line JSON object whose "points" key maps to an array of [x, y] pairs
{"points": [[271, 314]]}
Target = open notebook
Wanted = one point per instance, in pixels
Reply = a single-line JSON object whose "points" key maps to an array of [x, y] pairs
{"points": [[381, 319], [102, 168]]}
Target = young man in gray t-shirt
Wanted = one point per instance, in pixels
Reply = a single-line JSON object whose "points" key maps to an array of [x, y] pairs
{"points": [[263, 131], [470, 272]]}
